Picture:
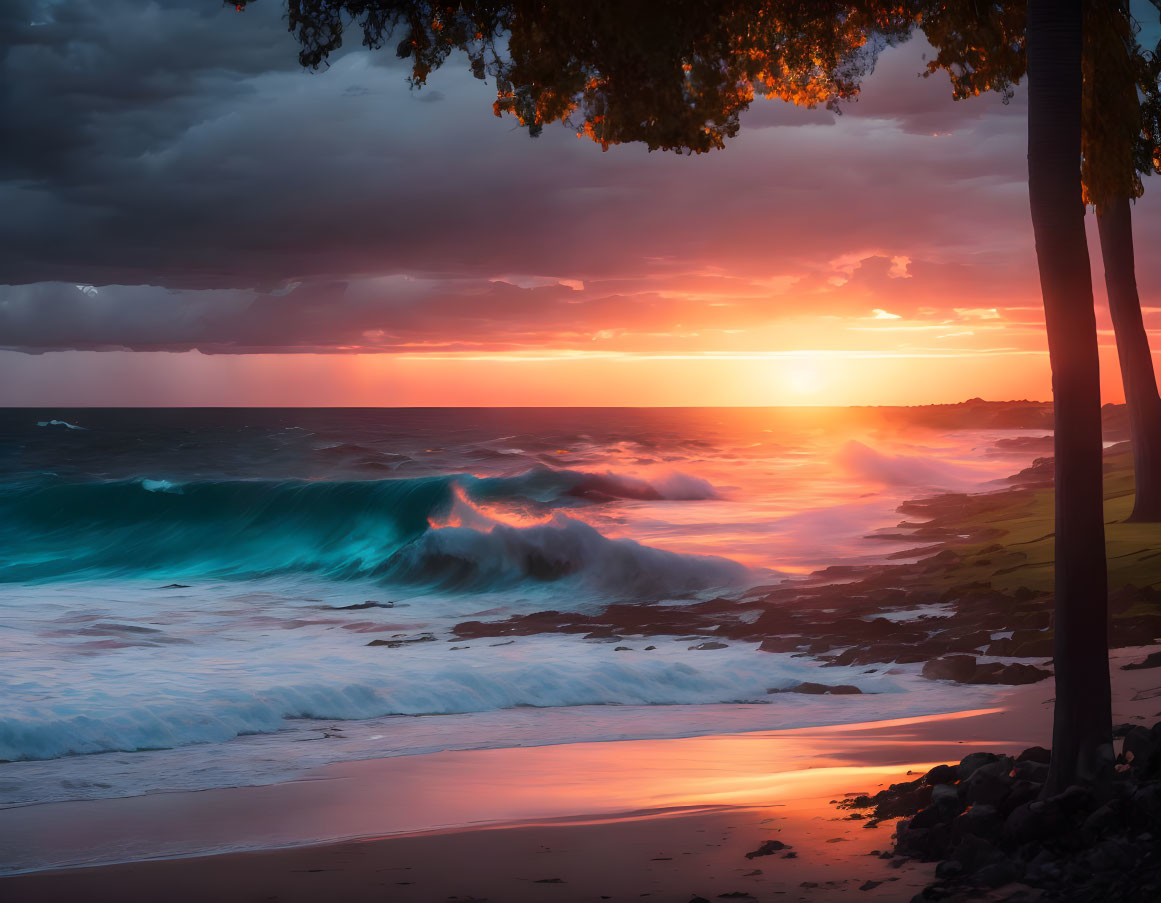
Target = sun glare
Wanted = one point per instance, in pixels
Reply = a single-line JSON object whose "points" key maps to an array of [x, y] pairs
{"points": [[804, 379]]}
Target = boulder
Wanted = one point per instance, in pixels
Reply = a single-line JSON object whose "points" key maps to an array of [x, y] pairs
{"points": [[969, 763], [973, 853], [965, 669], [942, 774], [1035, 754], [982, 821], [989, 784], [1142, 748], [997, 874], [959, 668]]}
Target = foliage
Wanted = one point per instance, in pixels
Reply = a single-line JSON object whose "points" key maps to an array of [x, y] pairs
{"points": [[981, 47], [674, 76]]}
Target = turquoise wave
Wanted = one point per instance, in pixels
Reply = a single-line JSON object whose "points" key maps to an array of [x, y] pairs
{"points": [[340, 530]]}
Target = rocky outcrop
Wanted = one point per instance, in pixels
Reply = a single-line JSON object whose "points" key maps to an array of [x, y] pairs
{"points": [[992, 830]]}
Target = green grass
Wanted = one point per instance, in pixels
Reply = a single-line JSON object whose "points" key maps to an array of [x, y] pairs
{"points": [[1020, 548]]}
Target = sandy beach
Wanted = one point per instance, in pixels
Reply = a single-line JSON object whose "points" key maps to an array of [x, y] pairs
{"points": [[667, 820]]}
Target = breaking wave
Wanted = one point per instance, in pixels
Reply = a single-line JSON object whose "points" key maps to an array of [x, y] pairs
{"points": [[422, 531]]}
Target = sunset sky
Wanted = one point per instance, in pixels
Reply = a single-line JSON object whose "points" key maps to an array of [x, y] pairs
{"points": [[189, 218]]}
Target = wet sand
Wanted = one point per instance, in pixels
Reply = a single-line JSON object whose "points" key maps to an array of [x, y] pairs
{"points": [[643, 820]]}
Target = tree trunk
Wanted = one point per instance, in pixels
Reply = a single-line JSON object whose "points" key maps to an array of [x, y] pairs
{"points": [[1082, 726], [1115, 221]]}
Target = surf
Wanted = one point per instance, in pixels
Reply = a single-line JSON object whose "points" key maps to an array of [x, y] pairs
{"points": [[395, 531]]}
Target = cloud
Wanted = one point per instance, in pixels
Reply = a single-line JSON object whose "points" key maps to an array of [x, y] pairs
{"points": [[174, 159]]}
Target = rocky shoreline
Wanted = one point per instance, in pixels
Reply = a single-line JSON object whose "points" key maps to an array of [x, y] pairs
{"points": [[976, 603], [985, 822]]}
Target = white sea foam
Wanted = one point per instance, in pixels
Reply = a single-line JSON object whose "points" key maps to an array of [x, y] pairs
{"points": [[216, 689], [64, 423], [487, 556]]}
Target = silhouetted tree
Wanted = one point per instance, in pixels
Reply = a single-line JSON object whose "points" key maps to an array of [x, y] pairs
{"points": [[675, 76], [982, 47], [1082, 721], [1121, 143]]}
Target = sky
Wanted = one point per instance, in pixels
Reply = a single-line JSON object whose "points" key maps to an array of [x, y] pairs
{"points": [[189, 218]]}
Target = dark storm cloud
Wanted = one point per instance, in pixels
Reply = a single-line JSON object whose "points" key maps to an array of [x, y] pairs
{"points": [[173, 155]]}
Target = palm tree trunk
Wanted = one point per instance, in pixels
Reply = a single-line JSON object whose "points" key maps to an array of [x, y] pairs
{"points": [[1082, 726], [1115, 222]]}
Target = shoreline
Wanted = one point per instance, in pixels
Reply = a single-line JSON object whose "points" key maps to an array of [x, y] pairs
{"points": [[491, 810], [744, 789]]}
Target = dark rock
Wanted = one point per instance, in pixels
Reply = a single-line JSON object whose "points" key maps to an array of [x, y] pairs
{"points": [[408, 641], [1103, 819], [781, 644], [989, 784], [1145, 806], [959, 640], [969, 763], [1072, 800], [928, 817], [1035, 754], [945, 794], [1007, 675], [711, 644], [1030, 823], [948, 869], [1141, 748], [1083, 845], [1109, 855], [1030, 771], [768, 848], [924, 843], [959, 668], [941, 774], [1016, 674], [973, 853], [894, 803], [997, 874], [1152, 660], [965, 670], [1134, 631], [869, 885], [982, 821], [1022, 792], [1032, 644], [813, 689]]}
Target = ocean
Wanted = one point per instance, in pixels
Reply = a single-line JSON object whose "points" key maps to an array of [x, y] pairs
{"points": [[196, 598]]}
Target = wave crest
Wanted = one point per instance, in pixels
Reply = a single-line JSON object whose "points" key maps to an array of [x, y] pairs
{"points": [[382, 529]]}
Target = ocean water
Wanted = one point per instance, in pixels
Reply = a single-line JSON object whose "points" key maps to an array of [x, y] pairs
{"points": [[192, 592]]}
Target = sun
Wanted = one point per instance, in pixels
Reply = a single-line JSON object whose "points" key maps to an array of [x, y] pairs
{"points": [[804, 379]]}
